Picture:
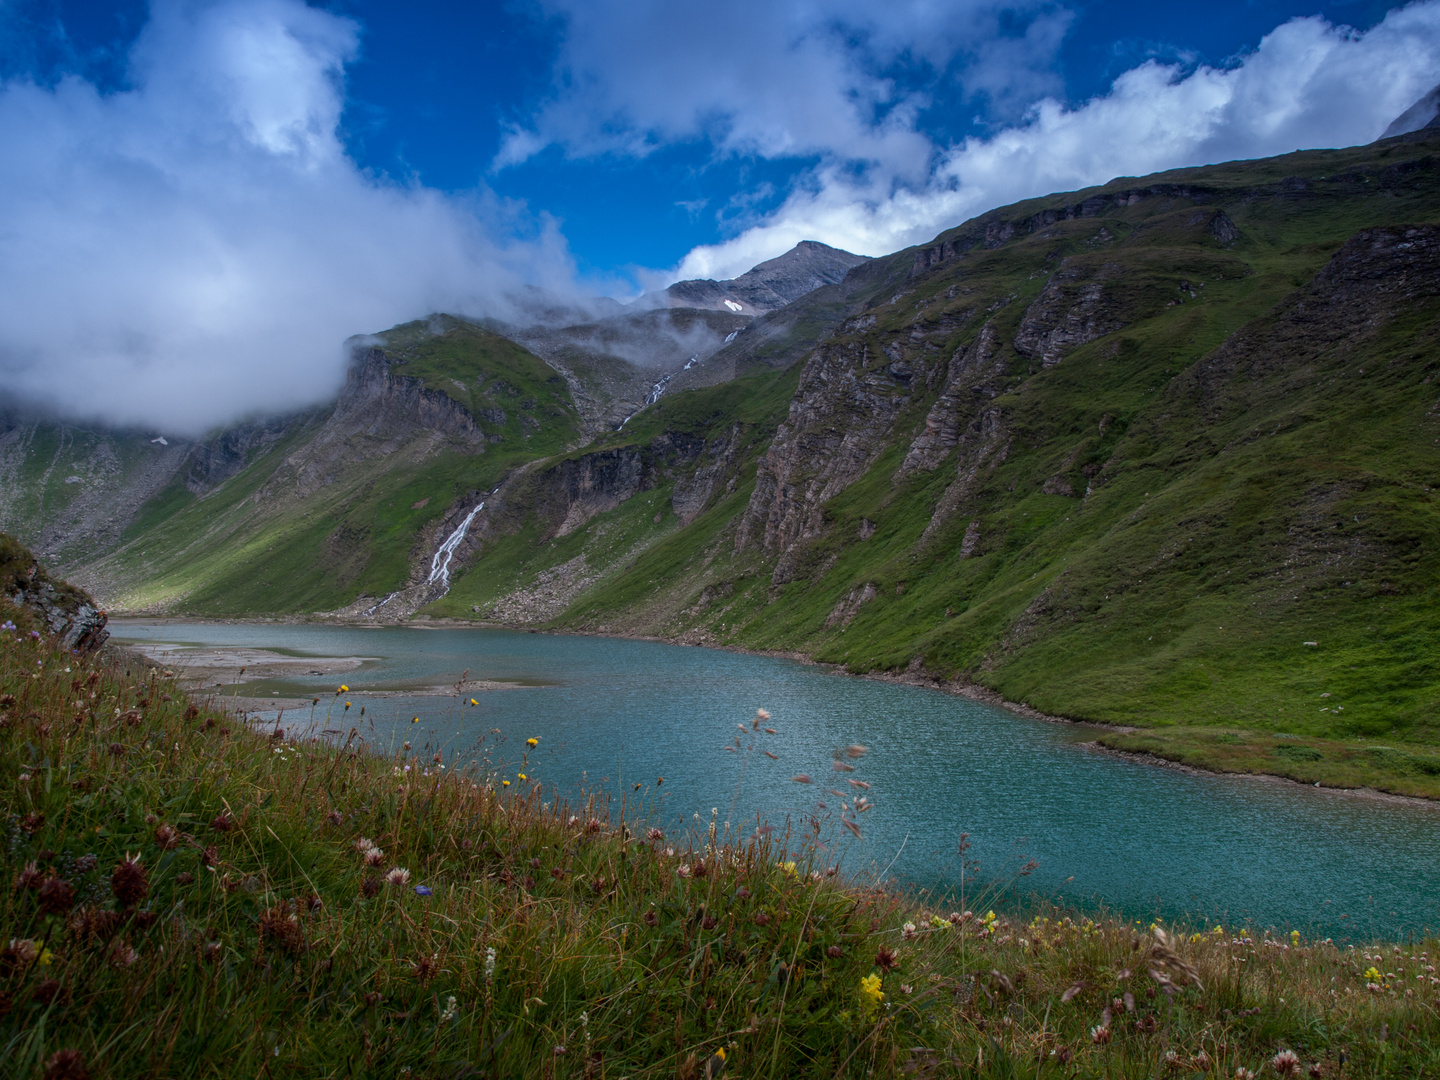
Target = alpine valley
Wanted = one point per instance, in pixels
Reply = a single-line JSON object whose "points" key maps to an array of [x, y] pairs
{"points": [[1158, 454]]}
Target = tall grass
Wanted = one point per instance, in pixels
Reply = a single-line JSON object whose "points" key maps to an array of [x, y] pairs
{"points": [[185, 896]]}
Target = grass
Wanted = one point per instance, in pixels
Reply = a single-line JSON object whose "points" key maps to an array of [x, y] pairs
{"points": [[191, 897]]}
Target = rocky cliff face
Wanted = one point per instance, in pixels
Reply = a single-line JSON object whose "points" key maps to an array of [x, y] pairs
{"points": [[379, 414], [58, 607], [770, 285]]}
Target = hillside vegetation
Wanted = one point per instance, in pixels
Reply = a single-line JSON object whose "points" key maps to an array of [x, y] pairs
{"points": [[1158, 454], [189, 897]]}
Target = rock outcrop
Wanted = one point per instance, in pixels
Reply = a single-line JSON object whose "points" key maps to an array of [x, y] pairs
{"points": [[61, 609], [770, 285]]}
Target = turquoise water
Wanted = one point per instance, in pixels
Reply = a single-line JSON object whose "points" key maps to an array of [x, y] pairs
{"points": [[1130, 837]]}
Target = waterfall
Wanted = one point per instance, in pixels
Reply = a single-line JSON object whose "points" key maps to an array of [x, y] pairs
{"points": [[440, 561]]}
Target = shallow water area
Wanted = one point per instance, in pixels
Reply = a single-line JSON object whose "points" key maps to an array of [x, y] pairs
{"points": [[1138, 839]]}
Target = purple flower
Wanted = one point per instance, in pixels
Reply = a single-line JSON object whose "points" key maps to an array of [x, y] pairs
{"points": [[422, 890]]}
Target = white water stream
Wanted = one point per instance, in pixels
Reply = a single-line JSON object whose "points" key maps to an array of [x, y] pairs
{"points": [[659, 388], [440, 561]]}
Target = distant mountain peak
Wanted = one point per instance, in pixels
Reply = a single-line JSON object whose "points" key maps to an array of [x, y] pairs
{"points": [[1423, 114], [771, 284]]}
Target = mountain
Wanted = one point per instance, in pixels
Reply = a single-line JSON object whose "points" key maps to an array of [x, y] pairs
{"points": [[1157, 454], [806, 267], [1423, 114]]}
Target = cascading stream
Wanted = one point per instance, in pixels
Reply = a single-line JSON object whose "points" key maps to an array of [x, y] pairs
{"points": [[440, 561]]}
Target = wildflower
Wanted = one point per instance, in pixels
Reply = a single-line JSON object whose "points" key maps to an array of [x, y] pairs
{"points": [[532, 743], [653, 834], [870, 994], [504, 783], [762, 714], [452, 1009], [66, 1064], [489, 964], [374, 856], [651, 919], [1285, 1063], [834, 952], [29, 876], [907, 931], [683, 870], [425, 969], [788, 868], [398, 876], [167, 836], [887, 959], [129, 882], [1372, 972], [343, 690], [423, 890], [474, 702], [122, 955], [1100, 1034], [56, 895], [413, 720], [715, 1064], [1295, 938], [1242, 1073]]}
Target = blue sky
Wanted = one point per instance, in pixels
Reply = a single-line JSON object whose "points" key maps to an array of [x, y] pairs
{"points": [[210, 195]]}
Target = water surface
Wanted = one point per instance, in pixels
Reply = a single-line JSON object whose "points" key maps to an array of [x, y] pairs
{"points": [[1135, 838]]}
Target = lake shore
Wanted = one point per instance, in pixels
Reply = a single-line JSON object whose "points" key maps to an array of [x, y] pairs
{"points": [[917, 679]]}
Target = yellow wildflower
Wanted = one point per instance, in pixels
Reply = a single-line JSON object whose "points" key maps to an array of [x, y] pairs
{"points": [[504, 783], [1372, 973], [788, 868], [870, 994], [532, 743], [474, 702], [343, 689], [522, 776]]}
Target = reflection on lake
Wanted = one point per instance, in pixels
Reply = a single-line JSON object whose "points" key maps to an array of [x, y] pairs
{"points": [[1137, 838]]}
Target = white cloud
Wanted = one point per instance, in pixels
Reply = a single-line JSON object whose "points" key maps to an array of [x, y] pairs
{"points": [[774, 78], [1308, 84], [197, 248]]}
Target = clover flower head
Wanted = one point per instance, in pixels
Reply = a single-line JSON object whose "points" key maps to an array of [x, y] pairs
{"points": [[398, 876]]}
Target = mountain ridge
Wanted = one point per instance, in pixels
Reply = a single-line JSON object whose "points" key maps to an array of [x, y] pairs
{"points": [[1002, 457]]}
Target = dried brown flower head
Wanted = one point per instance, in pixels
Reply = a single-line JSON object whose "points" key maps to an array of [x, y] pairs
{"points": [[66, 1065], [29, 876], [33, 822], [167, 836], [425, 969], [92, 924], [47, 992], [370, 886], [834, 952], [887, 959], [282, 929], [129, 882], [56, 895], [651, 919], [122, 955]]}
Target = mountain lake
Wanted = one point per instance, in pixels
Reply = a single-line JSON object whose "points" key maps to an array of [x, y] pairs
{"points": [[1107, 833]]}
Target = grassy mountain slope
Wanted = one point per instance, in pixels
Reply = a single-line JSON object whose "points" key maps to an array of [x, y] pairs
{"points": [[338, 509], [1157, 454], [1167, 473]]}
